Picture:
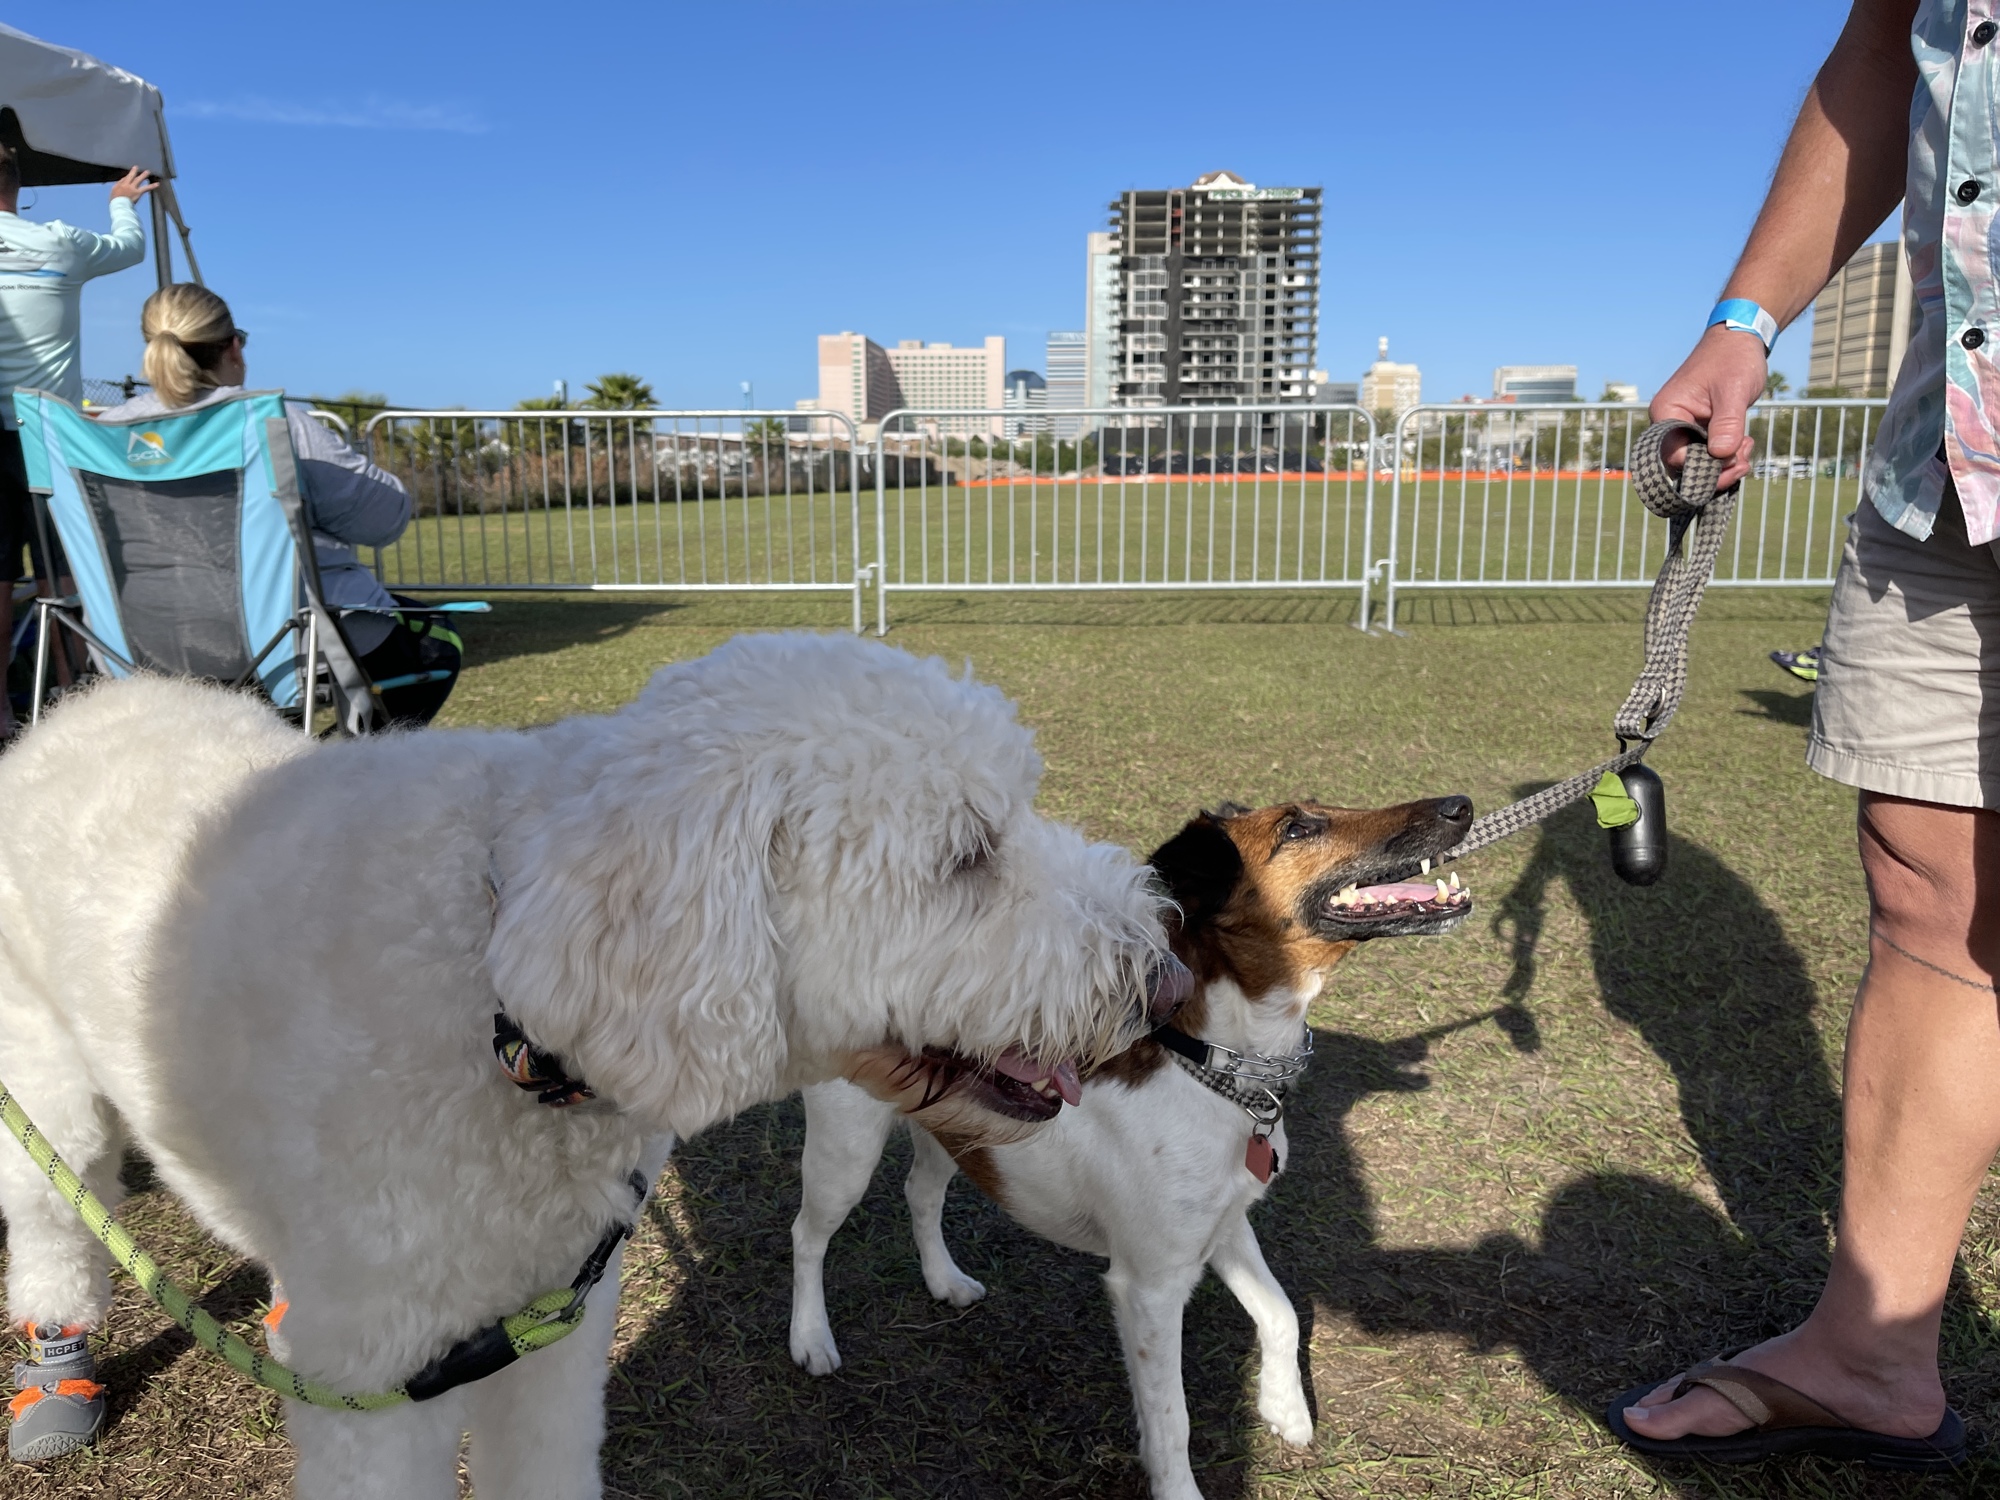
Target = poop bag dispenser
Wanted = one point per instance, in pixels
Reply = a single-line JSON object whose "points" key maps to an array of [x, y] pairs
{"points": [[1632, 809]]}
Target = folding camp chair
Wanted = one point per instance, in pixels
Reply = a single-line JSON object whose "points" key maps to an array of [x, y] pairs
{"points": [[191, 553]]}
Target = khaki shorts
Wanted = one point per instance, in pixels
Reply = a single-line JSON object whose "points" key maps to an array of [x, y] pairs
{"points": [[1909, 674]]}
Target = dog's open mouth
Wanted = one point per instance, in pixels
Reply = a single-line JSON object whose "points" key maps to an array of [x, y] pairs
{"points": [[1396, 907], [1012, 1085]]}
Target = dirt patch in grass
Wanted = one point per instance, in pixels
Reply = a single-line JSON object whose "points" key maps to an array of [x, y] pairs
{"points": [[1586, 1140]]}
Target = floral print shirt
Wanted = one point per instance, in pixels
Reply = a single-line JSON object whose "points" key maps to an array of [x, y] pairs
{"points": [[1948, 389]]}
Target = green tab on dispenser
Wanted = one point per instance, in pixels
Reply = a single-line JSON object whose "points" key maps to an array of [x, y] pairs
{"points": [[1614, 808]]}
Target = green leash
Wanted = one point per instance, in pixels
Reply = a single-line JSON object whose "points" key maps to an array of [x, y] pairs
{"points": [[549, 1318]]}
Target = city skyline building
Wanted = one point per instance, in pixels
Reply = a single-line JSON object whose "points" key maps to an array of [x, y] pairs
{"points": [[861, 379], [1861, 323], [855, 378], [1326, 391], [930, 376], [1218, 290], [1026, 399], [1066, 359], [1100, 320], [1534, 383], [1388, 386]]}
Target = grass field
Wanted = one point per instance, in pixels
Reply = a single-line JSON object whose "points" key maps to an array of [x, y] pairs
{"points": [[1488, 1229], [1489, 528]]}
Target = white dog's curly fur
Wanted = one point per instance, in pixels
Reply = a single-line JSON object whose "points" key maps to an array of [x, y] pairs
{"points": [[275, 968]]}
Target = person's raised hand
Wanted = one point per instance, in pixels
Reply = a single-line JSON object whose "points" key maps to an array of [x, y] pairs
{"points": [[134, 185], [1715, 387]]}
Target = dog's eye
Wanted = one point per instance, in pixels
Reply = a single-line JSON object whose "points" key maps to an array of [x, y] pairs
{"points": [[973, 860], [1301, 828]]}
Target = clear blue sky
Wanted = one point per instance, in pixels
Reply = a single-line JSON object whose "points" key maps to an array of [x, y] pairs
{"points": [[458, 204]]}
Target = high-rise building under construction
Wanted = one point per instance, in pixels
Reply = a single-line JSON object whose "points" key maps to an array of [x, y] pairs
{"points": [[1218, 287], [1861, 323]]}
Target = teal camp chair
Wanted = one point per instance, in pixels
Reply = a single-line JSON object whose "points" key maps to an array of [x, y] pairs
{"points": [[189, 547]]}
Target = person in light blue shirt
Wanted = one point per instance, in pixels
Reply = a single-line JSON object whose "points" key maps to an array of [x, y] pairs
{"points": [[42, 271]]}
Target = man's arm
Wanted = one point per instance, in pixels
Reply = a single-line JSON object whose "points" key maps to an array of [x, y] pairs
{"points": [[126, 244], [1840, 175], [346, 496]]}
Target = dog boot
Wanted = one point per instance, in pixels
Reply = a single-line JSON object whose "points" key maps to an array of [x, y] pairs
{"points": [[60, 1405]]}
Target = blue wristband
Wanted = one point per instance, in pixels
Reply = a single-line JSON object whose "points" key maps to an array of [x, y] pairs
{"points": [[1741, 315]]}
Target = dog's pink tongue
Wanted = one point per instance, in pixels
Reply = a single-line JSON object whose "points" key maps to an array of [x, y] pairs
{"points": [[1067, 1083], [1016, 1064], [1401, 890]]}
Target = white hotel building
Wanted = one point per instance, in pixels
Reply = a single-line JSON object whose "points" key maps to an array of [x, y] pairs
{"points": [[865, 381]]}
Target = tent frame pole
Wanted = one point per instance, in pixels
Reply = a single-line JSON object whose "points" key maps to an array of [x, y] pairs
{"points": [[163, 255]]}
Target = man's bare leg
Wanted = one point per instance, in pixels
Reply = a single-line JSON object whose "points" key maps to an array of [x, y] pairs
{"points": [[1921, 1122]]}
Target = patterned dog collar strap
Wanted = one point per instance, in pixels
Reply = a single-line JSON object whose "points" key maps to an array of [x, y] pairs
{"points": [[529, 1067], [1255, 1084]]}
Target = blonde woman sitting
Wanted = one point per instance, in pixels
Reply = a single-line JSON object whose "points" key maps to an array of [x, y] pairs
{"points": [[194, 355]]}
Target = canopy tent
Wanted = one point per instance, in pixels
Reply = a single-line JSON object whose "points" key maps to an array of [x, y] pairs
{"points": [[71, 118]]}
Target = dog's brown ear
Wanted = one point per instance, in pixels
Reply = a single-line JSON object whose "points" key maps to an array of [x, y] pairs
{"points": [[1200, 867]]}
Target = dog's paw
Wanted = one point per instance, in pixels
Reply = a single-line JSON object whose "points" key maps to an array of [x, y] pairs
{"points": [[815, 1351], [1286, 1415], [957, 1288]]}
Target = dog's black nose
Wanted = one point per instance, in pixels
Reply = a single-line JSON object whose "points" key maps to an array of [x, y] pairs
{"points": [[1168, 987], [1455, 809]]}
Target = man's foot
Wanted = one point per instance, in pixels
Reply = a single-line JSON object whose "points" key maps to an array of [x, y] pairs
{"points": [[1903, 1403], [60, 1405], [1801, 665]]}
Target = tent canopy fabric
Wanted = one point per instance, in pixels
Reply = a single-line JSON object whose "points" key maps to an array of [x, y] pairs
{"points": [[72, 118]]}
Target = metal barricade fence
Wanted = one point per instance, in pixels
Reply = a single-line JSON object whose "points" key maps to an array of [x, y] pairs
{"points": [[1121, 498], [628, 500], [1536, 497], [1465, 497]]}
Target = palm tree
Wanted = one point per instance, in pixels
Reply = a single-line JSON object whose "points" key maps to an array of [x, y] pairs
{"points": [[620, 391], [1775, 385]]}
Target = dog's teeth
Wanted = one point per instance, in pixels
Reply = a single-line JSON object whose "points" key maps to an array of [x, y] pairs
{"points": [[1444, 893], [1426, 867], [1454, 880]]}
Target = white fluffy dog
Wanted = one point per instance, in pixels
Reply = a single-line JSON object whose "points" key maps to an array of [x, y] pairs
{"points": [[276, 967]]}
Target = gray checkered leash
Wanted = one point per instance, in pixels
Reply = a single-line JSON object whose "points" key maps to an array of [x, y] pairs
{"points": [[1689, 503]]}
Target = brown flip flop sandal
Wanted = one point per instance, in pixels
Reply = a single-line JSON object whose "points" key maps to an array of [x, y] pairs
{"points": [[1786, 1421]]}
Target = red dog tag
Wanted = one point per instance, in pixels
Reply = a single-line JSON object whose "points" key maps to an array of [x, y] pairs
{"points": [[1260, 1158]]}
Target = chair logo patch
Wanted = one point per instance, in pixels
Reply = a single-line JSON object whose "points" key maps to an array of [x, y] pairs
{"points": [[145, 448]]}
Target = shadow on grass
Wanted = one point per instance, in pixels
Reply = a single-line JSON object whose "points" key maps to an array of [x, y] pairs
{"points": [[1633, 1278], [1795, 709], [533, 626], [127, 1374]]}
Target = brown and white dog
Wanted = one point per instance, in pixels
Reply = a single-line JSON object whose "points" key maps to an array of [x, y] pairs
{"points": [[1159, 1161]]}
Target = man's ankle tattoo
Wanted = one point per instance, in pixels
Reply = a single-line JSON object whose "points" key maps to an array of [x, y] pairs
{"points": [[1983, 986]]}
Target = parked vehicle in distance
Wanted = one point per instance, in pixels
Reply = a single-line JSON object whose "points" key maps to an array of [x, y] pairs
{"points": [[1782, 468]]}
